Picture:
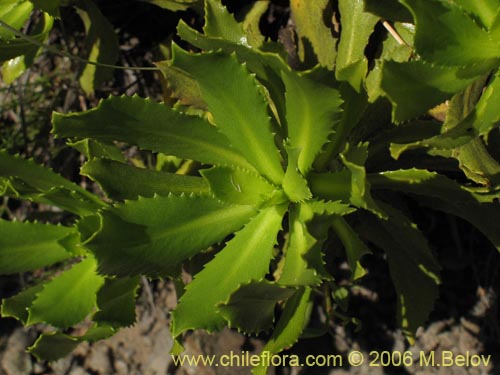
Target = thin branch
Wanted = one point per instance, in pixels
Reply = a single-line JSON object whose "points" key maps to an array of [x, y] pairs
{"points": [[394, 33], [67, 54]]}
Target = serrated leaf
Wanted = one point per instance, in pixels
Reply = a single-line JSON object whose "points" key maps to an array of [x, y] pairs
{"points": [[27, 180], [69, 297], [294, 183], [17, 306], [245, 258], [445, 34], [101, 43], [28, 246], [411, 263], [354, 159], [116, 302], [295, 270], [267, 62], [238, 186], [221, 24], [121, 181], [330, 208], [440, 193], [181, 86], [357, 26], [154, 236], [312, 109], [92, 148], [238, 107], [310, 222], [354, 106], [290, 325], [354, 247], [432, 85], [54, 345], [251, 307], [308, 17], [151, 126]]}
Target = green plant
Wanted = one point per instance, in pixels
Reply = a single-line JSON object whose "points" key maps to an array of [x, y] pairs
{"points": [[276, 162]]}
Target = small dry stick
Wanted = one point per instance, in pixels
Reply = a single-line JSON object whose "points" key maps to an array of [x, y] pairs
{"points": [[394, 33]]}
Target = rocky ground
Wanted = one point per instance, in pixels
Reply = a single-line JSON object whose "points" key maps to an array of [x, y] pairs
{"points": [[143, 349]]}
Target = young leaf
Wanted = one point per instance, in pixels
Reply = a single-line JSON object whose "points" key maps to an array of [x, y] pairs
{"points": [[69, 297], [308, 17], [251, 307], [116, 302], [238, 108], [445, 34], [221, 24], [353, 108], [312, 110], [411, 264], [357, 26], [354, 159], [245, 258], [28, 246], [267, 63], [295, 270], [121, 181], [294, 183], [290, 325], [152, 126], [154, 236], [238, 186]]}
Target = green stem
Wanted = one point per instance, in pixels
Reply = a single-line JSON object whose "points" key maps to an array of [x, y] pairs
{"points": [[332, 186]]}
